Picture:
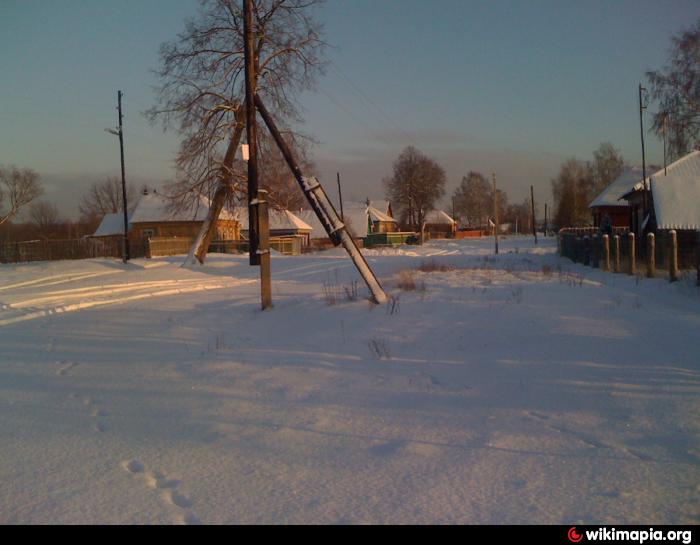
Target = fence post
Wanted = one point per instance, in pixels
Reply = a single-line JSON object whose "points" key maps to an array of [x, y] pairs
{"points": [[596, 252], [616, 249], [697, 255], [633, 254], [673, 257], [651, 255], [606, 253]]}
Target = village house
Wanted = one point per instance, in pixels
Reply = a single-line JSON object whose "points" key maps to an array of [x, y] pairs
{"points": [[608, 208], [282, 223], [361, 218], [675, 199], [111, 226], [155, 218], [439, 224], [669, 200]]}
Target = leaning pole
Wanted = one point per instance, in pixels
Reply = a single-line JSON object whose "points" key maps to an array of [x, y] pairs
{"points": [[324, 209]]}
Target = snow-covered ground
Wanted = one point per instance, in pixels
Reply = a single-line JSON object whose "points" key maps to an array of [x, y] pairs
{"points": [[513, 389]]}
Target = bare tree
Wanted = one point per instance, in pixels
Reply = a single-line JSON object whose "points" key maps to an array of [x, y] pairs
{"points": [[415, 186], [45, 218], [275, 176], [519, 216], [17, 189], [202, 89], [608, 165], [105, 198], [676, 88], [573, 190], [474, 199]]}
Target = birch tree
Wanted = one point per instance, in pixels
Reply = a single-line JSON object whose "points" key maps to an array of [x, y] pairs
{"points": [[676, 89]]}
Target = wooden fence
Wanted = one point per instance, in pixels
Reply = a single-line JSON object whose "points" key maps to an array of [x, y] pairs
{"points": [[622, 252], [53, 250]]}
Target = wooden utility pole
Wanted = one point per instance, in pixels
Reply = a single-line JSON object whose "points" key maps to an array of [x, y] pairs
{"points": [[534, 219], [120, 133], [251, 132], [495, 212], [642, 107], [264, 250], [127, 252], [545, 219], [340, 196]]}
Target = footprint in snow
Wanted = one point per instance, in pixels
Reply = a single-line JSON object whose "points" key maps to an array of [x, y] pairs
{"points": [[155, 480], [188, 519], [177, 499], [159, 481], [133, 466], [66, 366]]}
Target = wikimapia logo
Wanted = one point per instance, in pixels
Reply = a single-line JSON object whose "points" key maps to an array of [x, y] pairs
{"points": [[574, 536]]}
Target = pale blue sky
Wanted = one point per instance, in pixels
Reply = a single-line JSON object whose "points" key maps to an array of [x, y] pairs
{"points": [[511, 87]]}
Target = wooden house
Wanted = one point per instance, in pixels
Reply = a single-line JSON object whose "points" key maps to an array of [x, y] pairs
{"points": [[282, 223], [609, 208], [439, 224], [677, 196], [155, 218]]}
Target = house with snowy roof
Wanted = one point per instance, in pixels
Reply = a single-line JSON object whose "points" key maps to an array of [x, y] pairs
{"points": [[155, 217], [361, 219], [668, 199], [112, 225], [608, 207], [439, 224], [383, 206], [282, 223]]}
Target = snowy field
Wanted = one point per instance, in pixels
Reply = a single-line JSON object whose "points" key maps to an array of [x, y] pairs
{"points": [[513, 389]]}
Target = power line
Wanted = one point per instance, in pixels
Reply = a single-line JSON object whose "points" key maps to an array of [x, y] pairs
{"points": [[369, 102]]}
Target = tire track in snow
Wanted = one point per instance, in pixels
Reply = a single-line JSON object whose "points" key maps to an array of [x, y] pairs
{"points": [[52, 280], [93, 291], [84, 305]]}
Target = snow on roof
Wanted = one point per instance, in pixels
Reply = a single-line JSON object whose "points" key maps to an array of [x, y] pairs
{"points": [[382, 206], [310, 218], [677, 200], [377, 215], [689, 165], [612, 194], [356, 218], [355, 214], [154, 208], [280, 220], [111, 225], [438, 217]]}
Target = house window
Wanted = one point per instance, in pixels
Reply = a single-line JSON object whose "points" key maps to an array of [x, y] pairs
{"points": [[148, 233]]}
